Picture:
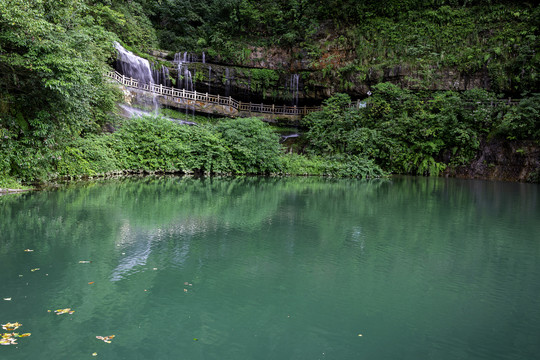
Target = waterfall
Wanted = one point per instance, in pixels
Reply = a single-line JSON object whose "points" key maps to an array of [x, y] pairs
{"points": [[188, 80], [209, 78], [185, 57], [181, 57], [130, 65], [295, 80], [162, 76], [177, 58], [133, 66], [227, 82], [185, 79]]}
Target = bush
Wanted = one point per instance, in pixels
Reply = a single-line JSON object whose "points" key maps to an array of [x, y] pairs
{"points": [[404, 133], [253, 145]]}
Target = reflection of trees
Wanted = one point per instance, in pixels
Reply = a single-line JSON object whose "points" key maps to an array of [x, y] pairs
{"points": [[232, 234]]}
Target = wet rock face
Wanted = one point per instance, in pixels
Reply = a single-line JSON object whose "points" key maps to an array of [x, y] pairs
{"points": [[503, 160], [293, 77], [247, 84], [275, 83]]}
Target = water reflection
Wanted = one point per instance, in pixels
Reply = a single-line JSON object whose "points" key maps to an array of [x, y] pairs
{"points": [[444, 268]]}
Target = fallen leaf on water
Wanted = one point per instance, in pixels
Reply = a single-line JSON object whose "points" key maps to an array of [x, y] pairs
{"points": [[64, 311], [36, 269], [7, 299], [10, 338], [106, 339], [91, 282], [8, 341], [28, 250], [94, 354], [84, 262], [11, 326]]}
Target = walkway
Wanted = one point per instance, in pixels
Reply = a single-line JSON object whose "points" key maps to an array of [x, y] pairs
{"points": [[226, 105]]}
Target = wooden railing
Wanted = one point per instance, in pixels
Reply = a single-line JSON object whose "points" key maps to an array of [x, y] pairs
{"points": [[212, 99]]}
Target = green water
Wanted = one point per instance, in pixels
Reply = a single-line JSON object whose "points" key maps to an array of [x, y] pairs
{"points": [[279, 269]]}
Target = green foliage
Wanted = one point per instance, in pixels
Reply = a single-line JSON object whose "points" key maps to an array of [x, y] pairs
{"points": [[238, 146], [263, 79], [7, 182], [53, 55], [337, 166], [53, 96], [155, 144], [405, 133], [523, 120], [88, 156], [253, 145]]}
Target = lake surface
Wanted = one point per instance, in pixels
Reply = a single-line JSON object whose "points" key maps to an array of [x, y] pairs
{"points": [[272, 268]]}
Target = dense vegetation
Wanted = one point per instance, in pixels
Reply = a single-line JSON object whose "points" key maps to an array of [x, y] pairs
{"points": [[353, 42], [54, 102], [239, 146], [406, 133]]}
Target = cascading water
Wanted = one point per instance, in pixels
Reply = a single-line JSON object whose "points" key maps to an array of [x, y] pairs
{"points": [[185, 57], [133, 66], [188, 79], [209, 79], [162, 76], [130, 65], [227, 82], [185, 79], [295, 80], [134, 113]]}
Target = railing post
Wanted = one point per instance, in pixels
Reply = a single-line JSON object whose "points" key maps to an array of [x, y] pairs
{"points": [[206, 98], [218, 99], [183, 93], [272, 108], [230, 101]]}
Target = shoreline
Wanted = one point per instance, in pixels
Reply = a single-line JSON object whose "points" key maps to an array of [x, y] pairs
{"points": [[13, 191]]}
